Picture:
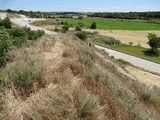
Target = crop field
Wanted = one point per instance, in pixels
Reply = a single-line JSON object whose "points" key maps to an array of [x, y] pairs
{"points": [[114, 24], [107, 24]]}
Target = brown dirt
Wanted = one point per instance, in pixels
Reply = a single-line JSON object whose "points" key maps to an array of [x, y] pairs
{"points": [[126, 36], [144, 77]]}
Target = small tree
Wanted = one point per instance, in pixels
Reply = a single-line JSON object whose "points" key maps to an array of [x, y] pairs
{"points": [[93, 25], [154, 42], [65, 27], [7, 23]]}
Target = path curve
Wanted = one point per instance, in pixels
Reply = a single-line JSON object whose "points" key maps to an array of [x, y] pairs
{"points": [[147, 65], [23, 21]]}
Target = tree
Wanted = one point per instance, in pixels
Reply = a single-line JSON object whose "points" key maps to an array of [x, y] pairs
{"points": [[93, 25], [65, 27], [154, 42], [7, 23]]}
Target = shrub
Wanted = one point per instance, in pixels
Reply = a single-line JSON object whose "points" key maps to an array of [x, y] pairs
{"points": [[88, 105], [5, 44], [87, 57], [1, 22], [17, 32], [93, 25], [78, 28], [106, 40], [130, 43], [80, 17], [62, 22], [7, 23], [65, 27], [20, 74], [81, 24], [33, 35], [19, 41], [81, 35]]}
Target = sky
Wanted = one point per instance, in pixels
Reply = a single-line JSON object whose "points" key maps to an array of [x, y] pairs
{"points": [[82, 5]]}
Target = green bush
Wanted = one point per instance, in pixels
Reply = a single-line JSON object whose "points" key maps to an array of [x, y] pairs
{"points": [[33, 35], [19, 41], [81, 24], [5, 44], [7, 23], [1, 22], [17, 32], [65, 28], [81, 35], [93, 25], [78, 28]]}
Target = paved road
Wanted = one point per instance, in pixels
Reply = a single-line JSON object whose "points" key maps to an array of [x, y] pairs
{"points": [[153, 67], [25, 22]]}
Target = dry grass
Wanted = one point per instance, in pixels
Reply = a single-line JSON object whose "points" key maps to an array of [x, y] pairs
{"points": [[125, 36], [144, 77], [76, 83]]}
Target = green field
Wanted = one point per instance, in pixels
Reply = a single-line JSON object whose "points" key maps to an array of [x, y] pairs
{"points": [[113, 24]]}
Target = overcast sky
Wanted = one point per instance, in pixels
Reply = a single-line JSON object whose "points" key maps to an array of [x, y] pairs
{"points": [[82, 5]]}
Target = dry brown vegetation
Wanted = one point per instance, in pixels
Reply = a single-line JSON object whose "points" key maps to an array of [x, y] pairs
{"points": [[127, 36], [60, 77]]}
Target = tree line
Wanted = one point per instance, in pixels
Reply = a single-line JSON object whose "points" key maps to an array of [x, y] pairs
{"points": [[129, 15]]}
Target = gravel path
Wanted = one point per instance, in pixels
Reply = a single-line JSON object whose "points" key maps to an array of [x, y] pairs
{"points": [[23, 21]]}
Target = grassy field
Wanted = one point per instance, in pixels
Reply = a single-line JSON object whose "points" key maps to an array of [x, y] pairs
{"points": [[110, 24], [106, 24]]}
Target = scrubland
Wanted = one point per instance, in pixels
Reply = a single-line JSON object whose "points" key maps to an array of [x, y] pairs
{"points": [[60, 77]]}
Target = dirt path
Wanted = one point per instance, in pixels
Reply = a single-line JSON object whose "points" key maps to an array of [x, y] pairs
{"points": [[126, 36], [25, 22]]}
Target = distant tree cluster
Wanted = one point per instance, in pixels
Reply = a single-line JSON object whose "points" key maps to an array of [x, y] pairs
{"points": [[130, 15], [39, 14]]}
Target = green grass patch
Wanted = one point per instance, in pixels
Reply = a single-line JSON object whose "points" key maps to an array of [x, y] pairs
{"points": [[110, 24], [138, 52]]}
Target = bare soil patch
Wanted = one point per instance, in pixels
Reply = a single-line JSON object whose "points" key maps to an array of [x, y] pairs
{"points": [[144, 77]]}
